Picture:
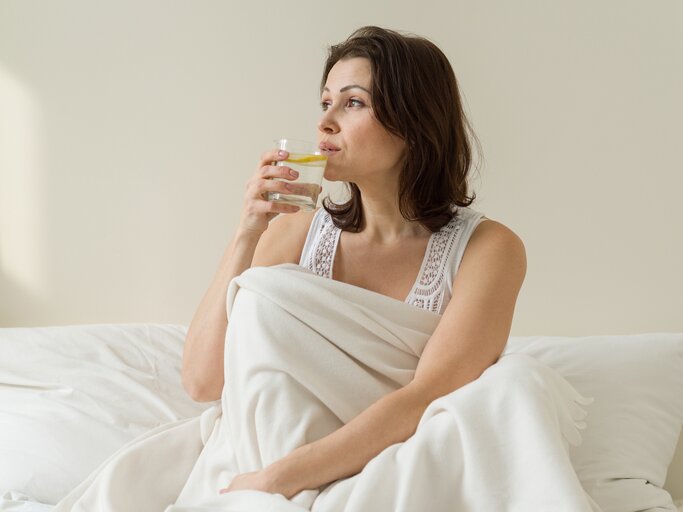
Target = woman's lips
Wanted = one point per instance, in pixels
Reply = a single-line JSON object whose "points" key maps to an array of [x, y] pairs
{"points": [[328, 149]]}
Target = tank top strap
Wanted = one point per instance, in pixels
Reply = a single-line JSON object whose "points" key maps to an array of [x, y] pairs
{"points": [[321, 244], [469, 222], [434, 285]]}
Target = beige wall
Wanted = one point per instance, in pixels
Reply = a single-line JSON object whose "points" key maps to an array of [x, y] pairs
{"points": [[128, 130]]}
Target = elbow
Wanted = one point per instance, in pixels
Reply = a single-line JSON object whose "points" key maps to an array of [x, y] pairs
{"points": [[202, 379], [200, 391]]}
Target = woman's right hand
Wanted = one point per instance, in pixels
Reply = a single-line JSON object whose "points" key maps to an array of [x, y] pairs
{"points": [[257, 210]]}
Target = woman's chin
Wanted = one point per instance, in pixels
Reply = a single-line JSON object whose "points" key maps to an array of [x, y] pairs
{"points": [[335, 172], [331, 175]]}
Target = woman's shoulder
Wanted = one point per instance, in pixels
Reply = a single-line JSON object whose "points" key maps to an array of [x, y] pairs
{"points": [[493, 240], [491, 230], [284, 240]]}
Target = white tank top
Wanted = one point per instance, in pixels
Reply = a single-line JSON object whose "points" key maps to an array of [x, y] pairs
{"points": [[433, 286]]}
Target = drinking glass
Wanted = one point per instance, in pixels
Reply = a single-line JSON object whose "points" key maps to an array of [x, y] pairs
{"points": [[305, 158]]}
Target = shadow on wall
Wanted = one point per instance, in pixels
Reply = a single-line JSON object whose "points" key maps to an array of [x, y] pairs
{"points": [[17, 303]]}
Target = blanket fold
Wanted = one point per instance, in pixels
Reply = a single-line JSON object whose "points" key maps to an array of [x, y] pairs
{"points": [[303, 356]]}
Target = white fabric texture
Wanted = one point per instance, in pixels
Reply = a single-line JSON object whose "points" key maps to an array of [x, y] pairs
{"points": [[636, 419], [433, 286], [15, 501], [72, 395], [304, 355]]}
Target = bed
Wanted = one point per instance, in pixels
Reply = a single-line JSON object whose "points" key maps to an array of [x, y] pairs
{"points": [[72, 395]]}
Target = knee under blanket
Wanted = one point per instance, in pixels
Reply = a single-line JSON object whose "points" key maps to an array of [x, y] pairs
{"points": [[303, 356]]}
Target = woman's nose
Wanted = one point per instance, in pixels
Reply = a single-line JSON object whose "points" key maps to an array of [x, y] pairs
{"points": [[327, 123]]}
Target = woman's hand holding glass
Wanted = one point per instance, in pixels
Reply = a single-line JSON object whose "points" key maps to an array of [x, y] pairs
{"points": [[258, 210]]}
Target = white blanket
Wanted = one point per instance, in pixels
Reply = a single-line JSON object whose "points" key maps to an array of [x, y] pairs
{"points": [[304, 355]]}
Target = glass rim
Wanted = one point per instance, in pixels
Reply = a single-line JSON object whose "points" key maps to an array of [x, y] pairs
{"points": [[305, 146]]}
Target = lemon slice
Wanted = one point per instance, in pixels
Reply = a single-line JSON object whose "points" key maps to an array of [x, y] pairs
{"points": [[306, 159]]}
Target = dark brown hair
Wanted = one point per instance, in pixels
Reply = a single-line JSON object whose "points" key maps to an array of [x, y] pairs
{"points": [[414, 96]]}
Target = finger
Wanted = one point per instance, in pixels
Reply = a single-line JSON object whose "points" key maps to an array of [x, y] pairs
{"points": [[273, 155], [260, 189], [279, 171]]}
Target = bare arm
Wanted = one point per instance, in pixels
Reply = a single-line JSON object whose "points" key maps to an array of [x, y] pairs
{"points": [[254, 243], [203, 350]]}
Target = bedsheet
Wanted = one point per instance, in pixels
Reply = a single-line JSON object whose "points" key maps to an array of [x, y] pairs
{"points": [[304, 355], [70, 396], [17, 502]]}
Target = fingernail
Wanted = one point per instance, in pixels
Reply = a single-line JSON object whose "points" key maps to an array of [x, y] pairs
{"points": [[282, 153], [294, 174]]}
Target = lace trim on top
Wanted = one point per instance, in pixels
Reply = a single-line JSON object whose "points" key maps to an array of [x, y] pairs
{"points": [[428, 290], [320, 259]]}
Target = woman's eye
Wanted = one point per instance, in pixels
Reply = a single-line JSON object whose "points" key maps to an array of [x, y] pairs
{"points": [[350, 103]]}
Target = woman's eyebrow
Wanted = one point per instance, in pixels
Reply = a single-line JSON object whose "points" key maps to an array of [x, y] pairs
{"points": [[347, 87]]}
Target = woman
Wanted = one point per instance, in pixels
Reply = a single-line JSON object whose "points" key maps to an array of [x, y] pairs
{"points": [[394, 130]]}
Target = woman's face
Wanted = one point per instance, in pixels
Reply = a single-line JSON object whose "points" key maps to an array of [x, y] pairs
{"points": [[359, 148]]}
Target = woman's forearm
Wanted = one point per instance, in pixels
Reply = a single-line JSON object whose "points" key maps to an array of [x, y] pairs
{"points": [[392, 419], [202, 372]]}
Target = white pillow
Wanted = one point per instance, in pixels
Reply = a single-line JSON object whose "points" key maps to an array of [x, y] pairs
{"points": [[71, 396], [635, 421]]}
